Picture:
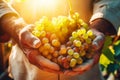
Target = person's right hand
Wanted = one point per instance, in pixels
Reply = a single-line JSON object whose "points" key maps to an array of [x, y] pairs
{"points": [[97, 45], [29, 44]]}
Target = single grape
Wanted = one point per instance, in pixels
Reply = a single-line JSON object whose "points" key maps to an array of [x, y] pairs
{"points": [[55, 54], [89, 33], [88, 40], [42, 34], [70, 52], [69, 57], [51, 50], [79, 60], [73, 62], [56, 43], [83, 31], [74, 34], [45, 53], [59, 59], [76, 55], [47, 46], [45, 40], [49, 57], [77, 43], [63, 49], [82, 53], [53, 36], [36, 33], [85, 36]]}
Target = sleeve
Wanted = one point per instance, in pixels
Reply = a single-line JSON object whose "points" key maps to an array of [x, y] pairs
{"points": [[6, 9], [107, 9]]}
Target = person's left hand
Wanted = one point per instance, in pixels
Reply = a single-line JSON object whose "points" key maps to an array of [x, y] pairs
{"points": [[97, 45]]}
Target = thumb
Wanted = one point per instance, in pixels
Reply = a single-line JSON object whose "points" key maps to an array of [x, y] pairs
{"points": [[28, 39], [98, 41]]}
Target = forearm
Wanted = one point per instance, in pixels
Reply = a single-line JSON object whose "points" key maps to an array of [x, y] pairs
{"points": [[103, 26], [11, 25]]}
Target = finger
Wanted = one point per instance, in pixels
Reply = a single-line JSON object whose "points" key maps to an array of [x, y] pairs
{"points": [[96, 57], [71, 73], [28, 39], [85, 66], [51, 70], [47, 63], [98, 41]]}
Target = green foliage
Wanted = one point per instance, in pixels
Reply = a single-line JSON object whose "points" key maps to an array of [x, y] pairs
{"points": [[111, 51], [106, 51], [117, 51]]}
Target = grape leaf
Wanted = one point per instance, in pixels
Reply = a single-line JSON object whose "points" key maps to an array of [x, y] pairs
{"points": [[112, 67], [108, 54], [108, 42], [117, 50], [106, 51]]}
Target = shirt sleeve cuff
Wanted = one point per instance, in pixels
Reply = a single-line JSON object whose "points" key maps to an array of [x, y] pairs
{"points": [[109, 10]]}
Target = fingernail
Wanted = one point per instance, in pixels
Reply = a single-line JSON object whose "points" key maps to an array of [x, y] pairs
{"points": [[36, 43]]}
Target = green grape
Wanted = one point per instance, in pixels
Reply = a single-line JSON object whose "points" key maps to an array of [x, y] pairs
{"points": [[64, 30], [47, 46], [56, 43], [86, 46], [36, 33], [73, 62], [82, 53], [59, 59], [79, 33], [88, 40], [63, 49], [70, 52], [56, 54], [77, 43], [45, 53], [79, 60], [76, 55], [42, 34], [74, 34], [89, 33], [85, 36], [45, 40], [85, 25], [69, 43], [39, 27], [83, 31], [77, 15], [71, 38], [53, 36], [76, 49], [52, 49]]}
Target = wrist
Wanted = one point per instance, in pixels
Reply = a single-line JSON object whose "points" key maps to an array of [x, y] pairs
{"points": [[12, 26], [103, 26]]}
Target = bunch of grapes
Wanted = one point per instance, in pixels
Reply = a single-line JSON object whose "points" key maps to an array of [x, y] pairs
{"points": [[65, 40]]}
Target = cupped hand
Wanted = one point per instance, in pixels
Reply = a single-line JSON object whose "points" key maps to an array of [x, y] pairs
{"points": [[29, 44], [97, 45]]}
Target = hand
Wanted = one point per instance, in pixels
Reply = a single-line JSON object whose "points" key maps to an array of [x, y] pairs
{"points": [[29, 44], [97, 45]]}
